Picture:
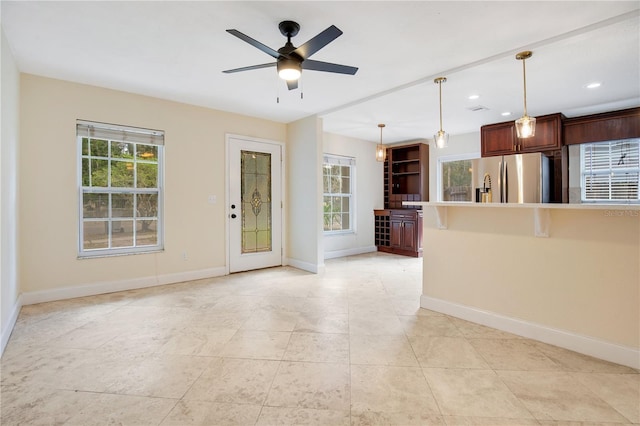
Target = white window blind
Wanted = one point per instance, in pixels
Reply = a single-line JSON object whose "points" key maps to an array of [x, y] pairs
{"points": [[119, 133], [610, 171]]}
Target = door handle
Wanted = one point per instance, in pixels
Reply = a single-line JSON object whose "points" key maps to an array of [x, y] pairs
{"points": [[233, 216], [233, 206]]}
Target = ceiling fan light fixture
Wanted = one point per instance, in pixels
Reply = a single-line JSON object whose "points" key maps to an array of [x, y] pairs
{"points": [[441, 138], [289, 69], [525, 125], [381, 151]]}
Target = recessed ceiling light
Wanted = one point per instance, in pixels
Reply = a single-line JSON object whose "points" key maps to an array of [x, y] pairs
{"points": [[472, 97], [593, 85], [505, 114]]}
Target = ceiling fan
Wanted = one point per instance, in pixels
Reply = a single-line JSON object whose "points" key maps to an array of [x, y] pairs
{"points": [[291, 60]]}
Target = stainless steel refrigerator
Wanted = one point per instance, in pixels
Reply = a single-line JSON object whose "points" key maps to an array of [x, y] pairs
{"points": [[517, 178]]}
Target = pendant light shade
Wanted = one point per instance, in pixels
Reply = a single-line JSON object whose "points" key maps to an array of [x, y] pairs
{"points": [[525, 125], [381, 151], [441, 138]]}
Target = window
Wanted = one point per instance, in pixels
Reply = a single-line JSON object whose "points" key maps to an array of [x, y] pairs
{"points": [[610, 171], [337, 178], [120, 185], [455, 175]]}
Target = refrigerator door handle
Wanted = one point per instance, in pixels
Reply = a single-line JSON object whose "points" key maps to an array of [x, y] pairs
{"points": [[501, 179], [506, 183]]}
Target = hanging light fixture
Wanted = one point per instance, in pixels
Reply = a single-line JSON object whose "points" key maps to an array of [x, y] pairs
{"points": [[525, 125], [381, 151], [441, 138]]}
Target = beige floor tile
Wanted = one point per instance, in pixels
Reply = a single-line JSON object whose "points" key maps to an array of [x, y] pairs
{"points": [[408, 306], [621, 391], [101, 409], [322, 323], [487, 421], [204, 413], [287, 304], [429, 325], [349, 345], [302, 416], [318, 347], [474, 393], [162, 376], [236, 303], [368, 306], [37, 405], [472, 330], [311, 385], [147, 340], [200, 341], [390, 390], [382, 350], [573, 361], [404, 418], [271, 320], [257, 344], [512, 354], [446, 352], [558, 396], [237, 381], [326, 305], [375, 325]]}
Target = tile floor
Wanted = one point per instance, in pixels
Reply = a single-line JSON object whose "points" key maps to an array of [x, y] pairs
{"points": [[282, 346]]}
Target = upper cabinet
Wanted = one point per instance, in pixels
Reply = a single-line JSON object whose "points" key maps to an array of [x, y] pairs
{"points": [[407, 175], [501, 139], [615, 125]]}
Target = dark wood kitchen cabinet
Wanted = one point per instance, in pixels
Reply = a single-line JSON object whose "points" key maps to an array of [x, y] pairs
{"points": [[399, 231], [500, 138]]}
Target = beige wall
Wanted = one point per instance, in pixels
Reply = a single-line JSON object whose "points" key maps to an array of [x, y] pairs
{"points": [[584, 279], [9, 142], [194, 169], [304, 191]]}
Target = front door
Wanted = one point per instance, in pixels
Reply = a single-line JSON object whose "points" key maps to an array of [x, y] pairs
{"points": [[255, 203]]}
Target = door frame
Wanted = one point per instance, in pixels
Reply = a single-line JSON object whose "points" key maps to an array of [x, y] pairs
{"points": [[227, 195]]}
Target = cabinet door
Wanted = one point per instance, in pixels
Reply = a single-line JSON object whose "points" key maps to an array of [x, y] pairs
{"points": [[498, 139], [395, 237], [409, 235], [547, 135]]}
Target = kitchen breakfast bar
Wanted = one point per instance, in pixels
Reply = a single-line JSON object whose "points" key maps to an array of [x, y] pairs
{"points": [[564, 274]]}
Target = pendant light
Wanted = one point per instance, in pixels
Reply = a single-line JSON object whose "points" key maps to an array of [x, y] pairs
{"points": [[441, 138], [381, 151], [525, 125]]}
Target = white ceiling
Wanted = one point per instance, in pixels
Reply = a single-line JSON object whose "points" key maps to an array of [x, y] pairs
{"points": [[177, 50]]}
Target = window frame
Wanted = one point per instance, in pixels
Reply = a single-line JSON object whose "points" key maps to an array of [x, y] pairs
{"points": [[439, 170], [137, 136], [584, 172], [341, 160]]}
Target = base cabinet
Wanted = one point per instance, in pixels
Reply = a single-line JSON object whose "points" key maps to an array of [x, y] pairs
{"points": [[399, 231]]}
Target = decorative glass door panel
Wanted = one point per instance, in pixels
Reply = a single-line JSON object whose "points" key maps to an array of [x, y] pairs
{"points": [[254, 208], [256, 201]]}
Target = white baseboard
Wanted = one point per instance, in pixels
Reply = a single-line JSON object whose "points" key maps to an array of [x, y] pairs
{"points": [[305, 266], [583, 344], [349, 252], [8, 328], [30, 298]]}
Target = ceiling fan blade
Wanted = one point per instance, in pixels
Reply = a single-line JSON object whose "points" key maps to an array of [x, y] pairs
{"points": [[310, 64], [251, 67], [318, 42], [255, 43], [292, 85]]}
